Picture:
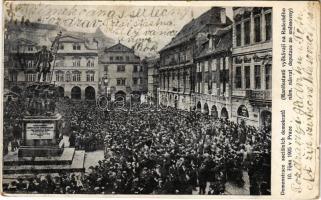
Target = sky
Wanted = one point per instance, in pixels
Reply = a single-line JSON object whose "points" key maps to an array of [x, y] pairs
{"points": [[147, 28]]}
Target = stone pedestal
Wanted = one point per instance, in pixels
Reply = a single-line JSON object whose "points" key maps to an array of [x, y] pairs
{"points": [[40, 152], [40, 136]]}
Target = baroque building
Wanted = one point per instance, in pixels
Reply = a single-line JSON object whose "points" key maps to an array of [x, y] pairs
{"points": [[213, 84], [178, 69], [252, 66], [122, 73], [75, 69]]}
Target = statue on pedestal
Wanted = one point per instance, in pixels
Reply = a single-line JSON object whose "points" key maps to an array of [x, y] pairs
{"points": [[43, 63]]}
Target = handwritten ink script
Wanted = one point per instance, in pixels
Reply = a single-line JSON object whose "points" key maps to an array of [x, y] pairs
{"points": [[146, 28], [299, 88]]}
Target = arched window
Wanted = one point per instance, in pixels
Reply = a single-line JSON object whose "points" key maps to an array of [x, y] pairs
{"points": [[242, 111]]}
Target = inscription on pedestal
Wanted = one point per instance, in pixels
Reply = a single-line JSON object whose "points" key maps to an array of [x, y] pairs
{"points": [[40, 131]]}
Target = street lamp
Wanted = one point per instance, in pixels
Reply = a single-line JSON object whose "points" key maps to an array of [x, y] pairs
{"points": [[106, 84]]}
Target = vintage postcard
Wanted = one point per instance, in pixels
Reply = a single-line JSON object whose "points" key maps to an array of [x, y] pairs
{"points": [[160, 99]]}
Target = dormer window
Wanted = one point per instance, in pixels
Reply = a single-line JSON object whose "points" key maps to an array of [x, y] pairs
{"points": [[76, 46], [30, 48]]}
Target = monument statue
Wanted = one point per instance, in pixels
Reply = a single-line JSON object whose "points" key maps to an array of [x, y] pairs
{"points": [[41, 122], [43, 63]]}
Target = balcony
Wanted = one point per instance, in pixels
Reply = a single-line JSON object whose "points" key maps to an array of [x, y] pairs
{"points": [[241, 93], [254, 96], [261, 95]]}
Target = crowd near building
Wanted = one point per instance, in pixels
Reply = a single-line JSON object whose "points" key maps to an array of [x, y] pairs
{"points": [[122, 72], [214, 65], [221, 67], [213, 80]]}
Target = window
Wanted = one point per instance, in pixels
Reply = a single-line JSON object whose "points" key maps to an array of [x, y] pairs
{"points": [[29, 64], [67, 76], [268, 75], [247, 73], [76, 76], [247, 30], [121, 81], [76, 46], [60, 76], [49, 77], [268, 26], [120, 68], [90, 62], [127, 58], [121, 58], [257, 28], [117, 57], [238, 77], [61, 47], [238, 35], [111, 58], [135, 81], [30, 48], [76, 62], [90, 77], [106, 68], [30, 77], [257, 74], [135, 68]]}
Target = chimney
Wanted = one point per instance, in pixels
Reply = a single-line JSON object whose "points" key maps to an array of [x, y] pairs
{"points": [[223, 15], [210, 42]]}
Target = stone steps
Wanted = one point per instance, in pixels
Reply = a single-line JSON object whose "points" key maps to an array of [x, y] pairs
{"points": [[76, 165], [66, 158]]}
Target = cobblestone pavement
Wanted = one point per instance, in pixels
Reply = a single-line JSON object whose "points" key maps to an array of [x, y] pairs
{"points": [[92, 158]]}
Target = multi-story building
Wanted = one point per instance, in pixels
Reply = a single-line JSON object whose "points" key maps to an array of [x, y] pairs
{"points": [[252, 65], [21, 41], [122, 73], [75, 70], [153, 78], [213, 89], [177, 67]]}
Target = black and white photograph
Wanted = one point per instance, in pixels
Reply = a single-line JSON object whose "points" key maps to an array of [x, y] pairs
{"points": [[138, 100]]}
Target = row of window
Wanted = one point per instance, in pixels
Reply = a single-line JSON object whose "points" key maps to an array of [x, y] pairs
{"points": [[257, 77], [23, 48], [257, 21], [118, 58], [122, 81], [122, 68], [74, 76]]}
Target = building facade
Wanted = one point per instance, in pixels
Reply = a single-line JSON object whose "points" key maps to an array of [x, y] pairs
{"points": [[213, 84], [75, 70], [153, 78], [177, 65], [22, 40], [252, 66], [122, 73]]}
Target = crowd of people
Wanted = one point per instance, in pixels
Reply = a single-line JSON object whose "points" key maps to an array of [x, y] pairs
{"points": [[159, 152]]}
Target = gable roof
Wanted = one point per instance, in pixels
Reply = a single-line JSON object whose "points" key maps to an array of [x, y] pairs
{"points": [[69, 38], [23, 41], [119, 48], [222, 43], [191, 29]]}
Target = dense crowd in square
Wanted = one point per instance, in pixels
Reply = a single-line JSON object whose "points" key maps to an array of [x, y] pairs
{"points": [[150, 151]]}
